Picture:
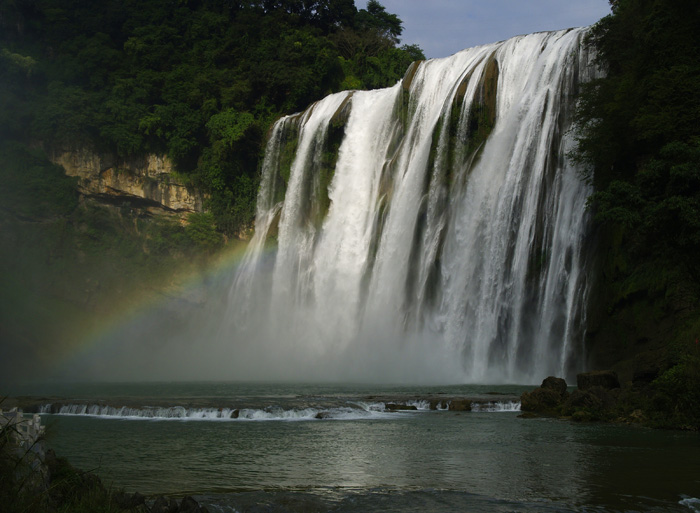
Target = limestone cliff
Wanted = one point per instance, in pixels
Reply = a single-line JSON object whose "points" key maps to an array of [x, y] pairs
{"points": [[146, 183]]}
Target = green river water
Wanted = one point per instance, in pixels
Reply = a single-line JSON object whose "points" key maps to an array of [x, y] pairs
{"points": [[337, 448]]}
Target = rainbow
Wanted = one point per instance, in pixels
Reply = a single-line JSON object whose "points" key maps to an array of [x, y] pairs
{"points": [[93, 333]]}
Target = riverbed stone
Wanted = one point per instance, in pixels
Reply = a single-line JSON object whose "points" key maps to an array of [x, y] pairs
{"points": [[189, 505], [399, 407], [164, 505], [128, 501], [460, 405], [438, 404]]}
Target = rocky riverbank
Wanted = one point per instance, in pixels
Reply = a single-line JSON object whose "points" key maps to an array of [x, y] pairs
{"points": [[599, 396], [34, 480], [51, 484]]}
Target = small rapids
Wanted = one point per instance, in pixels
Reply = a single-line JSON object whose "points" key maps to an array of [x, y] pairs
{"points": [[352, 410], [692, 503]]}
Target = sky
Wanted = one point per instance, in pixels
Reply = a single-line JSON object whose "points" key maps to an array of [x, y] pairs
{"points": [[444, 27]]}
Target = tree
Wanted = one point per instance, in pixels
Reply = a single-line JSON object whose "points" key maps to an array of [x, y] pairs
{"points": [[639, 128]]}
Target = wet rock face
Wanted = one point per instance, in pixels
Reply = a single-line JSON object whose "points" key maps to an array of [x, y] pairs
{"points": [[605, 379], [595, 399]]}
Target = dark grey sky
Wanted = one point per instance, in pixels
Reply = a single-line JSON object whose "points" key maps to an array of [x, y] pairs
{"points": [[443, 27]]}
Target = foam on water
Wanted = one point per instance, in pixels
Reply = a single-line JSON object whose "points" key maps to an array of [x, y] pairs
{"points": [[692, 503], [496, 406], [355, 410]]}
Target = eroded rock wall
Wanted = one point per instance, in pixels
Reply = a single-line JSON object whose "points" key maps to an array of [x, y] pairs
{"points": [[147, 182]]}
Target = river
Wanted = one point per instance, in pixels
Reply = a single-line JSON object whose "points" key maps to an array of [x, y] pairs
{"points": [[290, 447]]}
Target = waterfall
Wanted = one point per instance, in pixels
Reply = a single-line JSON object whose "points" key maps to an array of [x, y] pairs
{"points": [[431, 231]]}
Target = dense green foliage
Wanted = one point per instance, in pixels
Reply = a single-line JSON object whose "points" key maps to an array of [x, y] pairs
{"points": [[199, 80], [33, 187], [642, 128], [640, 135]]}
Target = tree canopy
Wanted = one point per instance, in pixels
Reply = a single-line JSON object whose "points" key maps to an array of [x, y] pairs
{"points": [[198, 80], [640, 129], [639, 132]]}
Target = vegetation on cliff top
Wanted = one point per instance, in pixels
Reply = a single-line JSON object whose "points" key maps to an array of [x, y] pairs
{"points": [[640, 135], [198, 80]]}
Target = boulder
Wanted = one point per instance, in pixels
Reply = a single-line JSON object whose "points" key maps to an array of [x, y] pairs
{"points": [[595, 403], [399, 407], [540, 400], [558, 385], [606, 379], [548, 398], [124, 500], [437, 404], [164, 505], [460, 405], [189, 505]]}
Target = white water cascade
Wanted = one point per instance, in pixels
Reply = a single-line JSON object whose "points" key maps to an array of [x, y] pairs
{"points": [[434, 231]]}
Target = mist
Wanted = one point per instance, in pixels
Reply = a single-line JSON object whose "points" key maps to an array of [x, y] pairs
{"points": [[193, 338], [399, 238]]}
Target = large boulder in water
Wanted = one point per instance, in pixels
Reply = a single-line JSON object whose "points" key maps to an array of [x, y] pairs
{"points": [[399, 407], [438, 404], [460, 405], [546, 399], [606, 379], [558, 385]]}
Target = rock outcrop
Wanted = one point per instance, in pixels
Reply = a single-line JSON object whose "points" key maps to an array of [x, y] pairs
{"points": [[598, 397], [460, 405], [147, 183], [605, 379], [547, 398]]}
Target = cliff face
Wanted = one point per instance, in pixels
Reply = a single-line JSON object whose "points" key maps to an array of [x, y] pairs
{"points": [[146, 183]]}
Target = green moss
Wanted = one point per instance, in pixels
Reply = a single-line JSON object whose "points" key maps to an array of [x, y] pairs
{"points": [[465, 137], [405, 101], [482, 115], [288, 152], [329, 159]]}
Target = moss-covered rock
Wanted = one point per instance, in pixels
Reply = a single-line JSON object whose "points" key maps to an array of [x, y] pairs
{"points": [[547, 399]]}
